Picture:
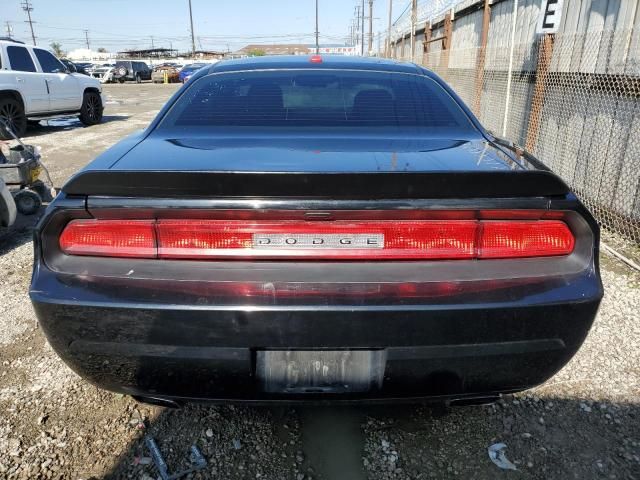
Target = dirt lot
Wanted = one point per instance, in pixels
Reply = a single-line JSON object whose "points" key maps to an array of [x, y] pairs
{"points": [[584, 423]]}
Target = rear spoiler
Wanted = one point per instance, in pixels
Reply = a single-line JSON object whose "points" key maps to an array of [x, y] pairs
{"points": [[388, 185]]}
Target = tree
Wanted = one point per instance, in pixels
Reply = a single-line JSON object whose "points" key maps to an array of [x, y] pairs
{"points": [[102, 50], [257, 52], [57, 49]]}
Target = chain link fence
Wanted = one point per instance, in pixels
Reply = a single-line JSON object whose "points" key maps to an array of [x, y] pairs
{"points": [[573, 101]]}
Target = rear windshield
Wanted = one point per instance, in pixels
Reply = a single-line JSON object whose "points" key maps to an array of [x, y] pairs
{"points": [[316, 98]]}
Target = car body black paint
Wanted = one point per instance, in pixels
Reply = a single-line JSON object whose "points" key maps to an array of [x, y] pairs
{"points": [[191, 330]]}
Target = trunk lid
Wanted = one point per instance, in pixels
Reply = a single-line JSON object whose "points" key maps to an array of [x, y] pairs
{"points": [[318, 167]]}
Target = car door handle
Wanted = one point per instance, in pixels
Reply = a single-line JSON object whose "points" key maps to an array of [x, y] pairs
{"points": [[19, 79]]}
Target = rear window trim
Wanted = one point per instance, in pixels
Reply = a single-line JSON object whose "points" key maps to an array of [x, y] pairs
{"points": [[158, 124]]}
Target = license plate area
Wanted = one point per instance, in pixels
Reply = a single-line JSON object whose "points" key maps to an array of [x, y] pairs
{"points": [[320, 371]]}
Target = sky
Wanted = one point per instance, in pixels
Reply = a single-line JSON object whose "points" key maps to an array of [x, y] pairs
{"points": [[219, 25]]}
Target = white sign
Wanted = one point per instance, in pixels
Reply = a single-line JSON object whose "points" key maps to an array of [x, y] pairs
{"points": [[550, 16]]}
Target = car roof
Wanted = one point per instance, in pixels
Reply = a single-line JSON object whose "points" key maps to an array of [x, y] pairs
{"points": [[18, 43], [13, 40], [304, 61]]}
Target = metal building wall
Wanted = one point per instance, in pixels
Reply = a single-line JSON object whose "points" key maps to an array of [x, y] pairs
{"points": [[584, 121]]}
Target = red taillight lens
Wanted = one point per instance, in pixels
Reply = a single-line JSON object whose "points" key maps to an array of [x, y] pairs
{"points": [[317, 240], [314, 240], [544, 238], [110, 238]]}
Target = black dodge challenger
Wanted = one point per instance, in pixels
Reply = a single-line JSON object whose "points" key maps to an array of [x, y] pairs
{"points": [[316, 229]]}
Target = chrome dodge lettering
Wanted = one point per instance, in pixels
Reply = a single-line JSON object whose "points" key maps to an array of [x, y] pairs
{"points": [[296, 240]]}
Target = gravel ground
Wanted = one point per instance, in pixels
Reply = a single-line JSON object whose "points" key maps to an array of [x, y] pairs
{"points": [[584, 423]]}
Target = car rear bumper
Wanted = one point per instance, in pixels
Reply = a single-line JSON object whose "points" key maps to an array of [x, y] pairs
{"points": [[209, 353], [186, 329]]}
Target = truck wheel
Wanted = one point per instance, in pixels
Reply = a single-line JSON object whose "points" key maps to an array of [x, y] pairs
{"points": [[91, 110], [43, 190], [12, 112], [28, 202], [121, 80]]}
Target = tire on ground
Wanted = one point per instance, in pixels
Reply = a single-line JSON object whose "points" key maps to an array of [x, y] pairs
{"points": [[28, 202], [92, 108], [12, 111]]}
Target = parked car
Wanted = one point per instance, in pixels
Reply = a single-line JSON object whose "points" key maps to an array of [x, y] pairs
{"points": [[71, 67], [324, 229], [159, 73], [189, 69], [83, 67], [105, 74], [130, 70], [167, 64], [35, 85]]}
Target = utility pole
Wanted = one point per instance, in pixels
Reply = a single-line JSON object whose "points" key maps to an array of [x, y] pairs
{"points": [[414, 20], [356, 30], [9, 29], [388, 45], [26, 6], [362, 32], [193, 36], [317, 33], [370, 27], [152, 45], [86, 37]]}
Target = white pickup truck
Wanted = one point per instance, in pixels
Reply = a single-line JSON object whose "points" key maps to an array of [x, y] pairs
{"points": [[35, 85]]}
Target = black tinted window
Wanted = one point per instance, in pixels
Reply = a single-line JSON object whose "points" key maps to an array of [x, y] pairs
{"points": [[20, 59], [317, 98], [48, 62]]}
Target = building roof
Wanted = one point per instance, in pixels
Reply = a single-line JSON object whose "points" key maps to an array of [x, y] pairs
{"points": [[147, 52]]}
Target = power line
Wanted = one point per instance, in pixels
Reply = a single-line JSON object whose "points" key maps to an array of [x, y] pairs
{"points": [[26, 6]]}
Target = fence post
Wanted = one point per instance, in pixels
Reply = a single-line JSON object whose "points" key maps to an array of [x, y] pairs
{"points": [[545, 51], [427, 39], [446, 41], [482, 52]]}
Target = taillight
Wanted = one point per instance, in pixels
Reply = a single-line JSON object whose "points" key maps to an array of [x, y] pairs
{"points": [[504, 239], [110, 238], [318, 240]]}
